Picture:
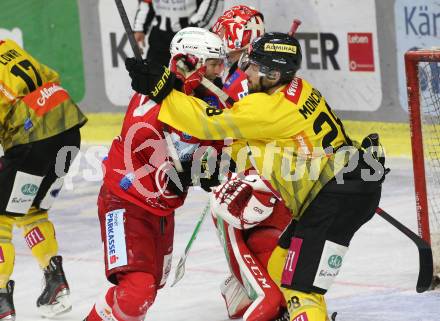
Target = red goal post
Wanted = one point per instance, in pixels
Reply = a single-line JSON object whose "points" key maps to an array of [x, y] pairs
{"points": [[423, 86]]}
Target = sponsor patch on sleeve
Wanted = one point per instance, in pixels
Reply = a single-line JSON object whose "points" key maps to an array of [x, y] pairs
{"points": [[115, 239], [46, 98]]}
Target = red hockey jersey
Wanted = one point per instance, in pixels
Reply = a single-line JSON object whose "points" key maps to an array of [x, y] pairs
{"points": [[138, 167]]}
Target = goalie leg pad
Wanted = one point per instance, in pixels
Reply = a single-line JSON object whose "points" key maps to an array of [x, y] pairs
{"points": [[266, 294], [236, 298], [261, 242], [225, 240]]}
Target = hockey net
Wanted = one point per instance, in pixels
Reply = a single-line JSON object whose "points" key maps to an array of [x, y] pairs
{"points": [[423, 83]]}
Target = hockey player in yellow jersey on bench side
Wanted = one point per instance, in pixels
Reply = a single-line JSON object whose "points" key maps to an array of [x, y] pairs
{"points": [[37, 119]]}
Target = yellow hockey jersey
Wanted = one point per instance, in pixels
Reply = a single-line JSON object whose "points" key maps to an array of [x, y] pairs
{"points": [[33, 105], [292, 136]]}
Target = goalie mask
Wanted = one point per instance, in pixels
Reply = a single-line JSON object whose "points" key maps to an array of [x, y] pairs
{"points": [[239, 26], [198, 42]]}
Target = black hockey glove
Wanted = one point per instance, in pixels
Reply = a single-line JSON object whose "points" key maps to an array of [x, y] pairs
{"points": [[150, 79], [372, 145]]}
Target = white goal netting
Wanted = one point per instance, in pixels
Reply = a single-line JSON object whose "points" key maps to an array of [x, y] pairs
{"points": [[429, 86]]}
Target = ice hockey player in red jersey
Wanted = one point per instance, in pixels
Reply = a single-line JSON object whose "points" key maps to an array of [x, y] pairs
{"points": [[146, 177]]}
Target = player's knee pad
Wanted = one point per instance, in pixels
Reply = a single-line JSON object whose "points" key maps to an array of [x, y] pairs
{"points": [[305, 306], [7, 251], [261, 242], [134, 294], [39, 234]]}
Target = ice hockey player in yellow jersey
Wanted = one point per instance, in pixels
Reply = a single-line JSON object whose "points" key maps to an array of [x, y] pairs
{"points": [[38, 119], [331, 185]]}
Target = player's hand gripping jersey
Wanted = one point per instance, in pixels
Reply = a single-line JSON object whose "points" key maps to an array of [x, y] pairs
{"points": [[293, 129], [33, 105]]}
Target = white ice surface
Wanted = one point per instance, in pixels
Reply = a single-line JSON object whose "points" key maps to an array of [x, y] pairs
{"points": [[377, 281]]}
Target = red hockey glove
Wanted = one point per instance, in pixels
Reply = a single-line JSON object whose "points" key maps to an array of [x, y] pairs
{"points": [[188, 70], [243, 203]]}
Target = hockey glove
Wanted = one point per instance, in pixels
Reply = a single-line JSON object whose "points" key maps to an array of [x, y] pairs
{"points": [[372, 146], [150, 79], [189, 71], [243, 203]]}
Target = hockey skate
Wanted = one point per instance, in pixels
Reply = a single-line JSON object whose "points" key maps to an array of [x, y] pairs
{"points": [[55, 298], [7, 310]]}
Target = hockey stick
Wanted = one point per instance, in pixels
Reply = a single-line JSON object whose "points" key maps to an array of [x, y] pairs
{"points": [[128, 30], [426, 269], [180, 269], [295, 25]]}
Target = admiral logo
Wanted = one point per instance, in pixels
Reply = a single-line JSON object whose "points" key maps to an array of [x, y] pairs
{"points": [[278, 47], [46, 93]]}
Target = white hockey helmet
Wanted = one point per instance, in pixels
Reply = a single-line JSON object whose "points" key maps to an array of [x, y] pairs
{"points": [[198, 42]]}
